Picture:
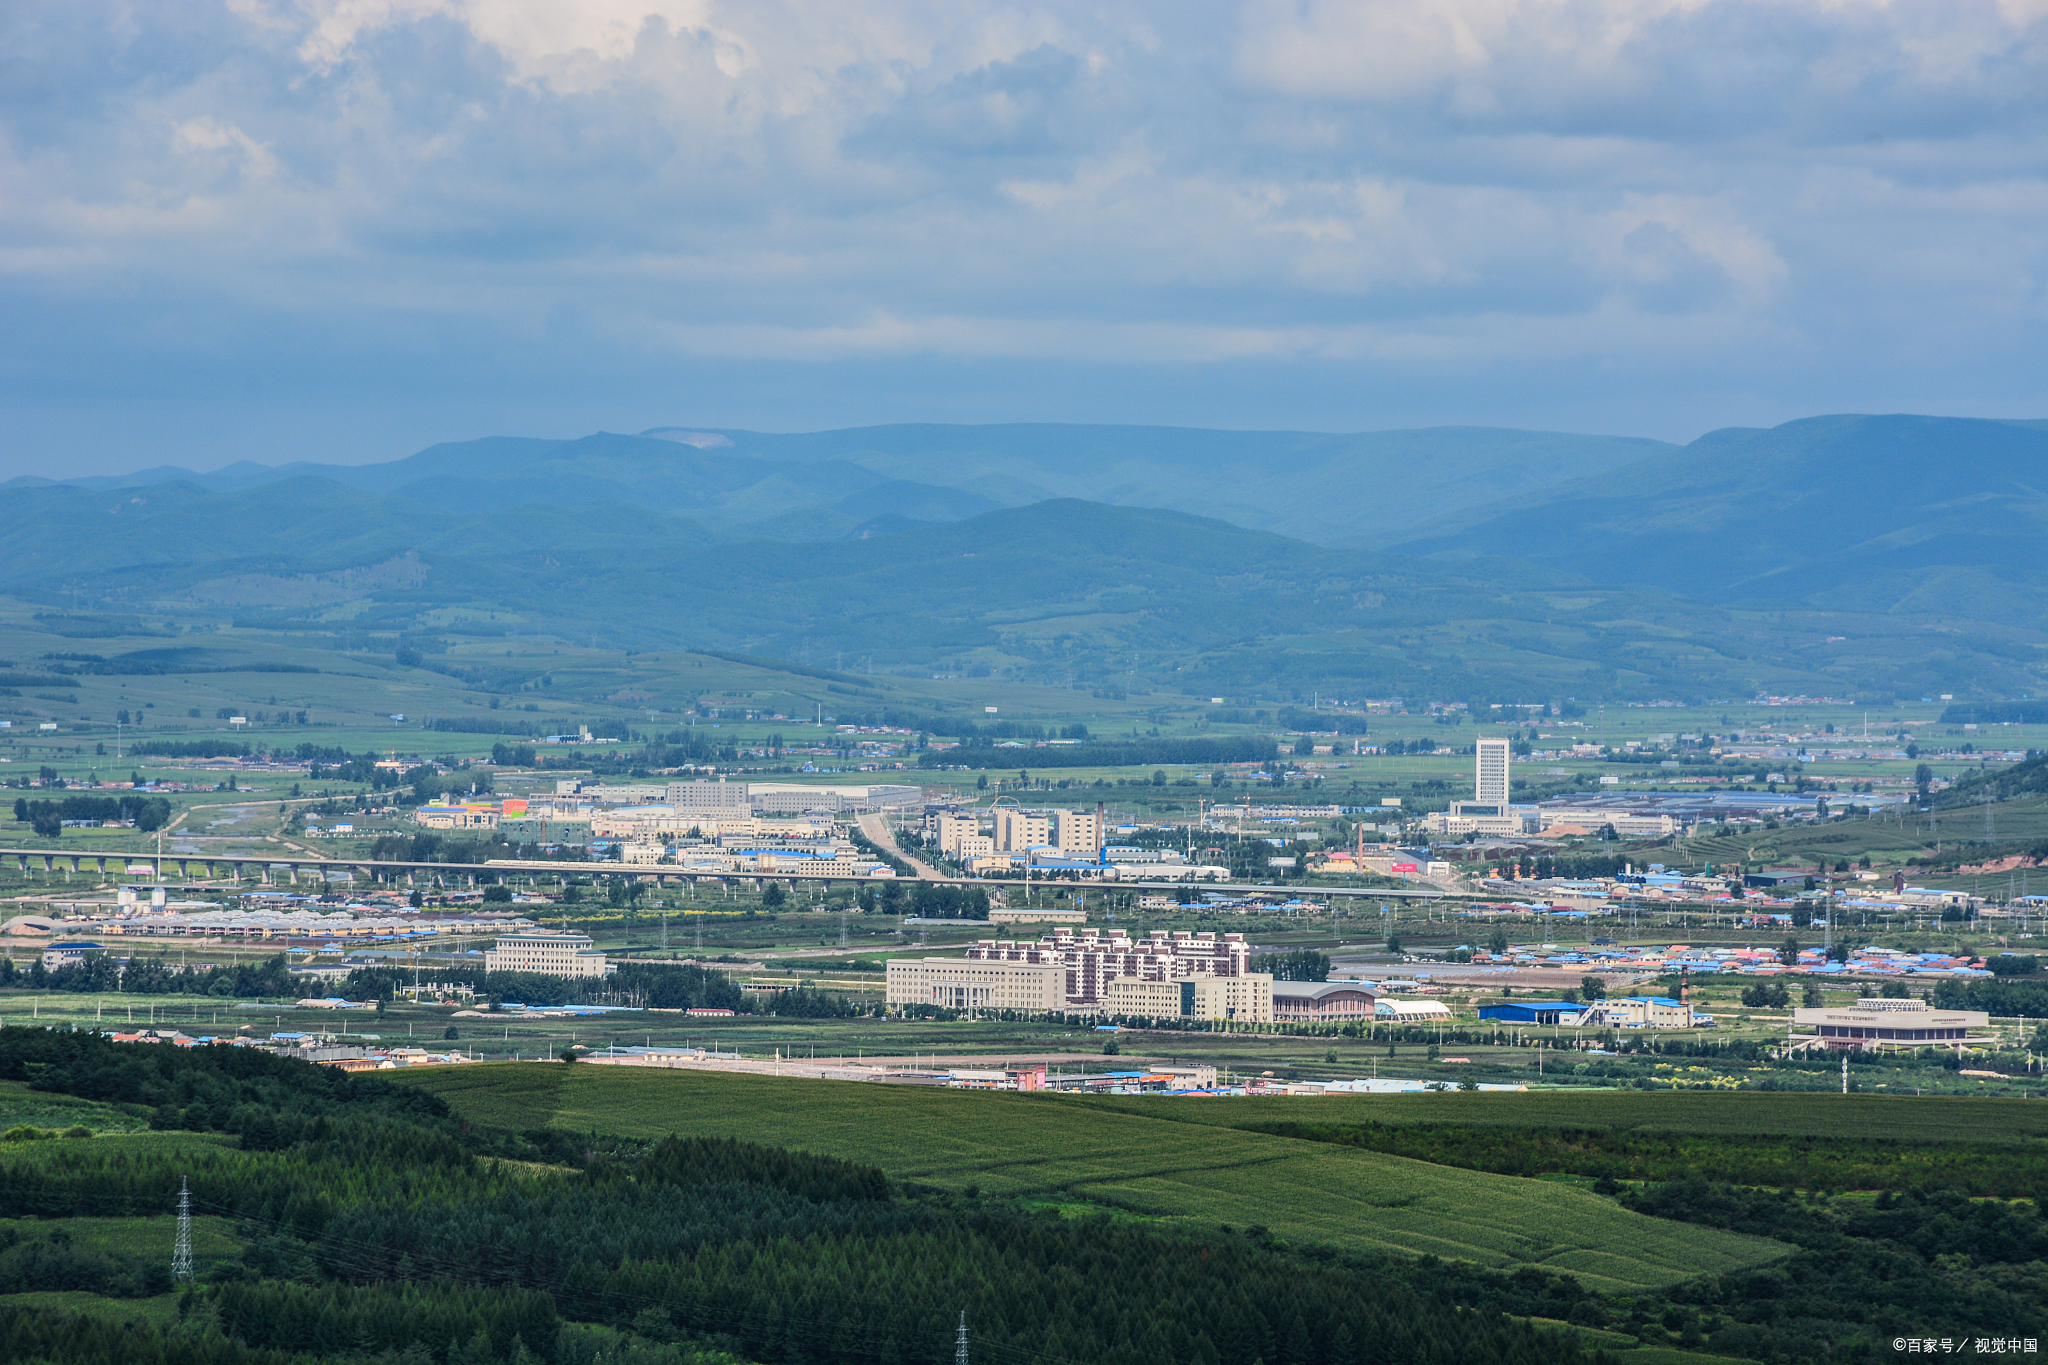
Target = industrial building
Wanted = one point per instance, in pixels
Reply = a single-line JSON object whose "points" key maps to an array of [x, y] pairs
{"points": [[546, 953], [1880, 1025], [64, 954], [1633, 1011], [1641, 1011], [1541, 1013]]}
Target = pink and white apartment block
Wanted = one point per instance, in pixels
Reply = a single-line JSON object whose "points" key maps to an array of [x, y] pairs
{"points": [[1095, 957]]}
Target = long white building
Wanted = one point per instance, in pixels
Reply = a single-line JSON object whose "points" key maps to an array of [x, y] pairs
{"points": [[1884, 1025], [547, 953], [958, 983]]}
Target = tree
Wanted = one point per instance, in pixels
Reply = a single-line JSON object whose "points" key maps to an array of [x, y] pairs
{"points": [[1592, 988], [1159, 777], [1497, 942], [1789, 954], [1811, 997], [774, 896], [568, 1054], [1303, 964]]}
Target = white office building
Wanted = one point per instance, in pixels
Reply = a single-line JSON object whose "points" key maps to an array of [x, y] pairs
{"points": [[547, 953], [718, 800], [1490, 773], [957, 983], [1488, 812]]}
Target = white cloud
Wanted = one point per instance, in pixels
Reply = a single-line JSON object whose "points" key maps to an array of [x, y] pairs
{"points": [[1502, 182]]}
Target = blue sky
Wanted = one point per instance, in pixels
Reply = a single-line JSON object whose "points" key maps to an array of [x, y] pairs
{"points": [[346, 229]]}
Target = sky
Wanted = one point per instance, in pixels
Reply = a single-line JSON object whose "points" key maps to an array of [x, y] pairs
{"points": [[346, 229]]}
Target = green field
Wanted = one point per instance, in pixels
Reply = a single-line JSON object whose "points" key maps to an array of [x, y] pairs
{"points": [[1058, 1150]]}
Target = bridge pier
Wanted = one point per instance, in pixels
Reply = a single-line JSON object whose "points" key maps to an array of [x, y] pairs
{"points": [[74, 863], [49, 863]]}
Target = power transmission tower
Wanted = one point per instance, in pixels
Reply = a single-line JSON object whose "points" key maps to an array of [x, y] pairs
{"points": [[181, 1251], [960, 1341], [664, 926], [842, 928]]}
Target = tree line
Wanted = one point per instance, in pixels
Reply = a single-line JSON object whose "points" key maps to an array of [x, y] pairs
{"points": [[101, 973], [47, 817]]}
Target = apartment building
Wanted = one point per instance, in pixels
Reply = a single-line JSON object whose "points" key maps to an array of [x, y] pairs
{"points": [[1078, 833], [1091, 958], [1018, 830]]}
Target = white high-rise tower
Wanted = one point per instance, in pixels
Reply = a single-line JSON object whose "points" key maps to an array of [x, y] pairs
{"points": [[1490, 776]]}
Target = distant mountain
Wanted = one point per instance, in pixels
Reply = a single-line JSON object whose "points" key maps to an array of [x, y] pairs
{"points": [[1363, 489], [1932, 516], [1067, 590]]}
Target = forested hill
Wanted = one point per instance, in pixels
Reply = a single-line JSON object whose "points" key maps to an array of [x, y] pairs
{"points": [[1061, 590], [1936, 515], [371, 1227]]}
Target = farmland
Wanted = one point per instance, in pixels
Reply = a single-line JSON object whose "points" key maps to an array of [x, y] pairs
{"points": [[1056, 1150]]}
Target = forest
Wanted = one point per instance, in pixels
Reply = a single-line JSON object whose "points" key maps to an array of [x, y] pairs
{"points": [[374, 1226]]}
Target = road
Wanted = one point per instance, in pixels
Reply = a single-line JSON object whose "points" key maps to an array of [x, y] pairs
{"points": [[881, 836]]}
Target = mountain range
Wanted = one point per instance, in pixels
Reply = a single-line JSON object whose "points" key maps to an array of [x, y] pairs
{"points": [[1839, 553]]}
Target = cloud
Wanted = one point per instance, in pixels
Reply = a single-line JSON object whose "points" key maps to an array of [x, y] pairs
{"points": [[1773, 205]]}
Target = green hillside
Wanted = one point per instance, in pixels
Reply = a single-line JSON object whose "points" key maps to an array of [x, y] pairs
{"points": [[1065, 592], [1938, 516], [1152, 1167]]}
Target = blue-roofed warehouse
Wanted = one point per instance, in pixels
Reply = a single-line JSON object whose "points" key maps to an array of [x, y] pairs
{"points": [[1545, 1012]]}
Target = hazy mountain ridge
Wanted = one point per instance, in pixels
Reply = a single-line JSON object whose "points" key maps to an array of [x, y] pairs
{"points": [[1834, 554], [1066, 589], [1927, 515], [1356, 489]]}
